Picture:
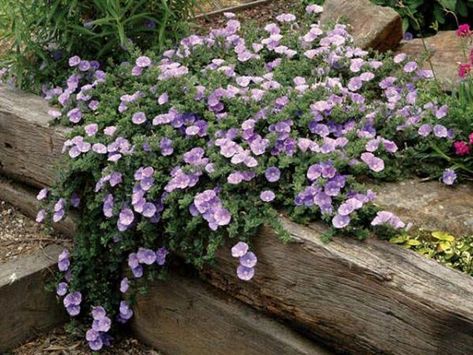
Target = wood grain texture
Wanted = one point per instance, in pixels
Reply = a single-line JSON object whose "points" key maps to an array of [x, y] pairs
{"points": [[186, 317], [26, 308], [28, 146]]}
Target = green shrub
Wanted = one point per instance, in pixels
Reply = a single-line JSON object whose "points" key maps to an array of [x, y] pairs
{"points": [[38, 36]]}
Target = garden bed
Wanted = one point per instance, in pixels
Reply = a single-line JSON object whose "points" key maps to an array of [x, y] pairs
{"points": [[342, 292]]}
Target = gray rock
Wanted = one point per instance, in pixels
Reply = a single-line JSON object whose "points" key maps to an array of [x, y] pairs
{"points": [[372, 26], [444, 52]]}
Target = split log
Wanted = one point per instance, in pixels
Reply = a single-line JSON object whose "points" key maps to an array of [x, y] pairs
{"points": [[361, 297], [29, 147], [185, 316], [27, 309]]}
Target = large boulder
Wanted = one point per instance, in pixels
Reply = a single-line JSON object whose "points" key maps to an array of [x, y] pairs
{"points": [[444, 52], [372, 26]]}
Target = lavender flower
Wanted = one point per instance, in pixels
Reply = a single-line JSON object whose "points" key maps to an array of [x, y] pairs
{"points": [[245, 273], [387, 218], [124, 285], [449, 177], [239, 249], [267, 196], [61, 288], [63, 261]]}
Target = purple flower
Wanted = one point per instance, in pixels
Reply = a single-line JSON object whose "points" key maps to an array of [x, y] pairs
{"points": [[410, 67], [126, 217], [442, 112], [96, 344], [98, 313], [286, 18], [74, 61], [163, 98], [340, 221], [161, 254], [139, 118], [239, 249], [440, 131], [425, 130], [42, 194], [374, 163], [386, 217], [124, 285], [146, 256], [125, 310], [267, 196], [314, 9], [84, 65], [355, 83], [61, 289], [41, 216], [102, 324], [248, 260], [272, 174], [143, 62], [91, 129], [75, 115], [449, 177], [245, 273], [63, 261], [75, 200]]}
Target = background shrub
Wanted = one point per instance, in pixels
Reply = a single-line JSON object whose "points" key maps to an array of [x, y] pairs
{"points": [[37, 37]]}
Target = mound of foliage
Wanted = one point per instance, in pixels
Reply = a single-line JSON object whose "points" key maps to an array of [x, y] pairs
{"points": [[38, 37], [423, 17], [175, 153]]}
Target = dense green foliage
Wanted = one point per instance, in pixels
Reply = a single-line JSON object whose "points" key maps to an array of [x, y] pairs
{"points": [[38, 36]]}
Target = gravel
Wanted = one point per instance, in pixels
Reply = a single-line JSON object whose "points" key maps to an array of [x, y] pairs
{"points": [[261, 14], [58, 342], [20, 235]]}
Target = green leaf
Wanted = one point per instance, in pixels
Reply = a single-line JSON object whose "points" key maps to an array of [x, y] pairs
{"points": [[448, 4]]}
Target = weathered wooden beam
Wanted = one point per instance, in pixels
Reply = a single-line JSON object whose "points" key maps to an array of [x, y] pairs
{"points": [[363, 296], [359, 297], [187, 317], [26, 308], [29, 147]]}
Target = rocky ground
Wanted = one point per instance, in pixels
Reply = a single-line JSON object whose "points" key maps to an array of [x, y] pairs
{"points": [[20, 235], [58, 342]]}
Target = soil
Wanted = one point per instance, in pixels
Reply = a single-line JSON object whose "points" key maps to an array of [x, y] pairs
{"points": [[20, 235], [58, 342], [261, 14]]}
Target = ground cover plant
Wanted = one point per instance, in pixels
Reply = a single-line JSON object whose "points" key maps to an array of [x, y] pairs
{"points": [[38, 37], [176, 152], [449, 250]]}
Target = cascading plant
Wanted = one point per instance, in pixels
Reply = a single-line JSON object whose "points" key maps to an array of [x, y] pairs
{"points": [[176, 153]]}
